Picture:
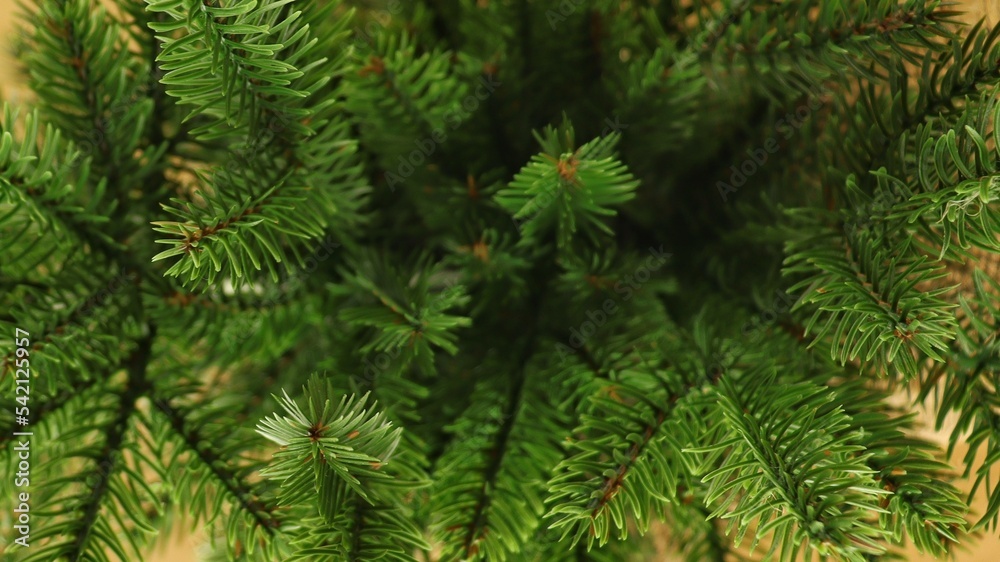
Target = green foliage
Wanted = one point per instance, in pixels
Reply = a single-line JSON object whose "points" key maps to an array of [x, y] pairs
{"points": [[816, 491], [490, 480], [398, 95], [242, 80], [495, 229], [791, 51], [339, 443], [870, 302], [334, 458], [566, 185], [972, 395]]}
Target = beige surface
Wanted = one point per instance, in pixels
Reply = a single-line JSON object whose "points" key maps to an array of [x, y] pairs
{"points": [[183, 547]]}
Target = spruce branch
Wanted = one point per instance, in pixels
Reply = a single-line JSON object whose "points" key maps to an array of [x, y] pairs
{"points": [[47, 189], [951, 82], [566, 188], [869, 302], [90, 86], [794, 52], [403, 307], [346, 441], [87, 523], [561, 382], [101, 309], [811, 489], [220, 472], [966, 385], [336, 460], [626, 463], [225, 62], [397, 94]]}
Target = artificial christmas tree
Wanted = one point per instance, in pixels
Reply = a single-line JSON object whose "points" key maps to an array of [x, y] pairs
{"points": [[509, 280]]}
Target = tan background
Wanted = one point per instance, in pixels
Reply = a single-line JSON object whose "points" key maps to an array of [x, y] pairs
{"points": [[183, 548]]}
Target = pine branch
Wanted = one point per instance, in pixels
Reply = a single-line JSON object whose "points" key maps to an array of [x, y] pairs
{"points": [[397, 95], [254, 512], [966, 385], [791, 52], [85, 523], [246, 219], [137, 387], [332, 458], [89, 86], [226, 64], [869, 302], [624, 461], [808, 487], [75, 305], [566, 188], [960, 73], [402, 308], [49, 187]]}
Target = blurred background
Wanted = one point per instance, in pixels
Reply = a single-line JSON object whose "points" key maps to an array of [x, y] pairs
{"points": [[183, 545]]}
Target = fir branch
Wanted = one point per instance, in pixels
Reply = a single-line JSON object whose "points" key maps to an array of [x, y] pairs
{"points": [[89, 85], [40, 413], [322, 436], [85, 523], [99, 307], [332, 459], [48, 182], [476, 505], [961, 72], [498, 453], [397, 94], [808, 488], [967, 385], [871, 300], [622, 461], [225, 64], [242, 493], [922, 503], [137, 387], [566, 188], [402, 308], [255, 229], [799, 53]]}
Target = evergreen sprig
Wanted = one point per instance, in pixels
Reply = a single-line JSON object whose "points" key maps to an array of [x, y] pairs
{"points": [[343, 442], [796, 50], [494, 228], [815, 491], [568, 188], [869, 302], [242, 79]]}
